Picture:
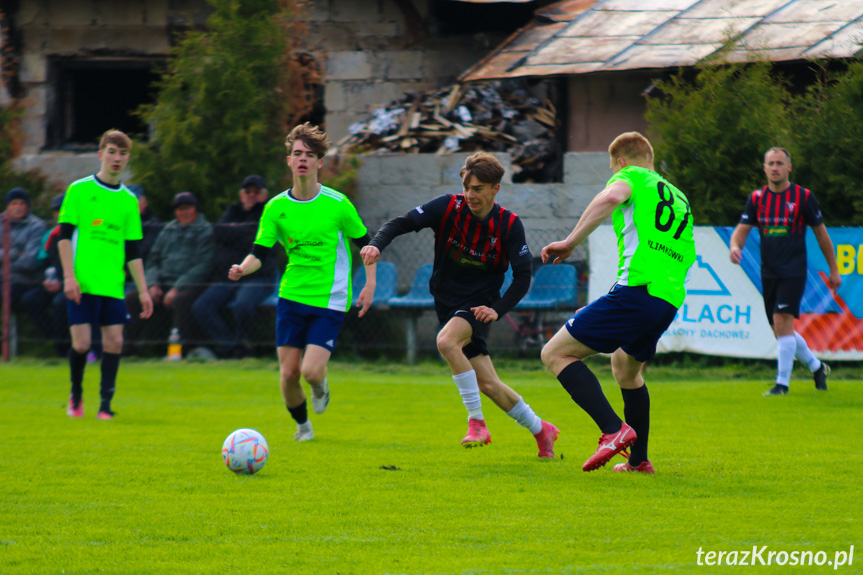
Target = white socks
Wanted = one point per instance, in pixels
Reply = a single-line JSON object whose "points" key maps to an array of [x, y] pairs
{"points": [[525, 416], [805, 355], [469, 390], [785, 363], [791, 346]]}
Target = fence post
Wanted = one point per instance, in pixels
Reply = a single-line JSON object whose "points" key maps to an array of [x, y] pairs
{"points": [[7, 283]]}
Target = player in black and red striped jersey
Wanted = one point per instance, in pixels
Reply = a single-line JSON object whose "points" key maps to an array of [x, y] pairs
{"points": [[476, 240], [781, 210]]}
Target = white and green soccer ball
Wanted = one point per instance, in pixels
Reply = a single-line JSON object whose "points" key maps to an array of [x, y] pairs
{"points": [[245, 451]]}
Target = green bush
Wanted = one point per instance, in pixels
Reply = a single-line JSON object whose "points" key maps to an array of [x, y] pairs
{"points": [[828, 123], [710, 134], [225, 103]]}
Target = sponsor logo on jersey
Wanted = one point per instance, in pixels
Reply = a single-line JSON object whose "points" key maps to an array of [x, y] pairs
{"points": [[97, 222], [524, 250]]}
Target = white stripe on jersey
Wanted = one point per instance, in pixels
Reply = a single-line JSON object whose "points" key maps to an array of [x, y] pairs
{"points": [[339, 292], [630, 242]]}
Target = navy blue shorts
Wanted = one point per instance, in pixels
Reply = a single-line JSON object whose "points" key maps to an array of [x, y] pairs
{"points": [[299, 325], [97, 310], [628, 318], [782, 295]]}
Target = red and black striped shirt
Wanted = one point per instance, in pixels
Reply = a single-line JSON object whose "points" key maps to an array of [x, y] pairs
{"points": [[782, 218], [471, 255]]}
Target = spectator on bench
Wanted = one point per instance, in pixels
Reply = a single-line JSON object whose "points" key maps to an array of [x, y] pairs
{"points": [[235, 231], [177, 267], [46, 303], [25, 239]]}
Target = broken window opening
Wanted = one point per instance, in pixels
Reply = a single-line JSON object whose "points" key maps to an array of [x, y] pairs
{"points": [[89, 97]]}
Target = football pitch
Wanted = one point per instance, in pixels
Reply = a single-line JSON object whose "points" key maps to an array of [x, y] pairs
{"points": [[385, 486]]}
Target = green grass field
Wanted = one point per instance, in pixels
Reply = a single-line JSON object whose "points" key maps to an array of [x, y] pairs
{"points": [[148, 493]]}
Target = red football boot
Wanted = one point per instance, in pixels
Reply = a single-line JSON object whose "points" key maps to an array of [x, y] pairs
{"points": [[610, 444], [477, 434]]}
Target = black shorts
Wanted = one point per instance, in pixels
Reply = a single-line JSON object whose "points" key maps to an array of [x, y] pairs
{"points": [[782, 295], [477, 345]]}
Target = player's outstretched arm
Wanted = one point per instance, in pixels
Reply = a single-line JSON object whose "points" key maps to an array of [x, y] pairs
{"points": [[367, 294], [826, 245], [599, 209], [738, 240], [249, 266]]}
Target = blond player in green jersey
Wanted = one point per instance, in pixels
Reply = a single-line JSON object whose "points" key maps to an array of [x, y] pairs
{"points": [[313, 223], [653, 224], [100, 228]]}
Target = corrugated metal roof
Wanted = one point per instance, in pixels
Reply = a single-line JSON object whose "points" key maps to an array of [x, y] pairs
{"points": [[582, 36]]}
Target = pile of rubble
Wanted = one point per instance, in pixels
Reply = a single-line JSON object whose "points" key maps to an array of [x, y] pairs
{"points": [[498, 116]]}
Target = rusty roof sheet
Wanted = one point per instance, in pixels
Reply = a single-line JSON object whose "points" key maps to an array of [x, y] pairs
{"points": [[583, 36]]}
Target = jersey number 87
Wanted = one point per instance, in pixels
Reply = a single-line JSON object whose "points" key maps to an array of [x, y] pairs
{"points": [[668, 202]]}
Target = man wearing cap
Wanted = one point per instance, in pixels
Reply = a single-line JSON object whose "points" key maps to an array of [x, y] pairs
{"points": [[25, 237], [177, 267], [234, 232]]}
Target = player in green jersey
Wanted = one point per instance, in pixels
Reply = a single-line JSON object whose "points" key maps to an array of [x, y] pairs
{"points": [[100, 228], [313, 223], [653, 224]]}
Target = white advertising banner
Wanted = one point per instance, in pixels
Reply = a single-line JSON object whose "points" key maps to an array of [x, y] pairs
{"points": [[723, 313]]}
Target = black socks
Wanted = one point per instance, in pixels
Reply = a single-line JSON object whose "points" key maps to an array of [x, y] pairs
{"points": [[77, 363], [636, 410], [299, 413], [110, 365], [584, 388]]}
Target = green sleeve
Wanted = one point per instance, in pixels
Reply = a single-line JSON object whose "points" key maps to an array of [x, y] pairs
{"points": [[268, 232], [69, 209], [352, 224], [624, 176], [134, 231]]}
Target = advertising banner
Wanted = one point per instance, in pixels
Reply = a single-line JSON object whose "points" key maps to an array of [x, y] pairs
{"points": [[723, 313]]}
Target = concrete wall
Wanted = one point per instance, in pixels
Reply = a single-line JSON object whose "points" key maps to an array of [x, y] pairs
{"points": [[371, 54], [87, 29], [391, 184]]}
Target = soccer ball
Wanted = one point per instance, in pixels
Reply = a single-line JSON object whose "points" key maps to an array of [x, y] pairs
{"points": [[245, 451]]}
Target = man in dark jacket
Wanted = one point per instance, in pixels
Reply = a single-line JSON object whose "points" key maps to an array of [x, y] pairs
{"points": [[235, 231], [25, 238], [46, 302], [177, 267]]}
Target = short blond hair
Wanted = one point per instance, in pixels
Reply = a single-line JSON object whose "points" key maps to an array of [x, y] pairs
{"points": [[115, 138], [778, 149], [484, 166], [632, 146], [312, 136]]}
